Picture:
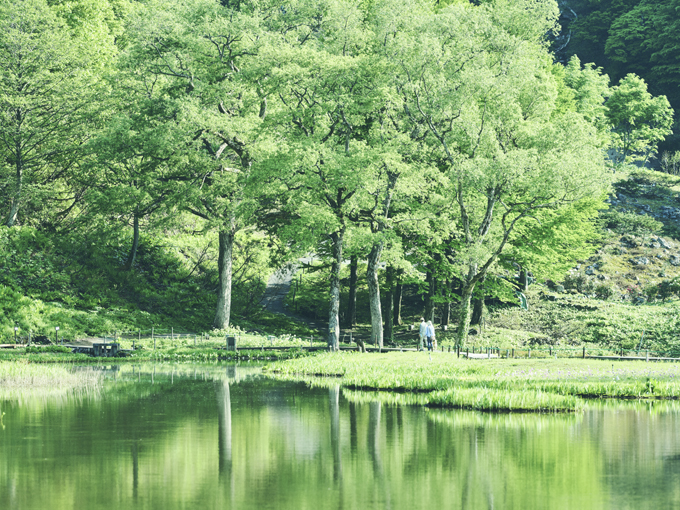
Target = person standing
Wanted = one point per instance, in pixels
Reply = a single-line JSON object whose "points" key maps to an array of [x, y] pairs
{"points": [[431, 340], [423, 333]]}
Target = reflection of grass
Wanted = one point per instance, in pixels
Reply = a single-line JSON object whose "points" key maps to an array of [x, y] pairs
{"points": [[500, 421], [388, 398], [493, 385], [490, 399], [18, 380]]}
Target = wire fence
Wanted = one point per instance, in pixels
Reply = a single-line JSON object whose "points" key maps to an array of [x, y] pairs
{"points": [[159, 338], [592, 352], [164, 339]]}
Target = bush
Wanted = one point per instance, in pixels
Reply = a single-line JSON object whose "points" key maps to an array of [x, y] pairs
{"points": [[604, 291], [579, 282], [630, 223], [47, 348], [664, 290]]}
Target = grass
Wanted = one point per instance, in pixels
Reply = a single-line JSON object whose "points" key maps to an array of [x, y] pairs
{"points": [[545, 385], [19, 379], [179, 350]]}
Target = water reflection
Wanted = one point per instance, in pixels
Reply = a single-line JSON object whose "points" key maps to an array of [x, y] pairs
{"points": [[165, 437]]}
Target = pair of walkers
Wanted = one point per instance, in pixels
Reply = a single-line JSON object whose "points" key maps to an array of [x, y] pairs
{"points": [[427, 333]]}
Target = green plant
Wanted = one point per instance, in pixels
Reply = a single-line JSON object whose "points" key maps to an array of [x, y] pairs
{"points": [[604, 291], [630, 223], [579, 282]]}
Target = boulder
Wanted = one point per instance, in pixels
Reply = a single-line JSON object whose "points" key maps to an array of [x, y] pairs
{"points": [[666, 244], [639, 261]]}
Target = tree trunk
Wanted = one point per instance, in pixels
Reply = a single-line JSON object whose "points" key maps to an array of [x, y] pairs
{"points": [[14, 203], [478, 304], [446, 312], [352, 304], [429, 301], [389, 313], [374, 294], [464, 315], [224, 262], [334, 309], [397, 303], [135, 244], [477, 310], [523, 280]]}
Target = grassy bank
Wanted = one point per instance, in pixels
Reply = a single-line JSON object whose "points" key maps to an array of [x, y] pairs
{"points": [[22, 378], [178, 353], [491, 385]]}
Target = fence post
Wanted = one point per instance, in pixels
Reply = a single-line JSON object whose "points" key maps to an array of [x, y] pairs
{"points": [[513, 352], [647, 355], [172, 335], [529, 355], [584, 353]]}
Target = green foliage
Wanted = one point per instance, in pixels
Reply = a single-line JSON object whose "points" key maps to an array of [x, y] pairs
{"points": [[604, 291], [550, 240], [77, 284], [663, 290], [670, 162], [50, 79], [639, 121], [630, 223], [46, 348], [579, 282]]}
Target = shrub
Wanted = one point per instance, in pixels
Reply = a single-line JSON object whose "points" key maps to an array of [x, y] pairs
{"points": [[664, 290], [630, 223], [578, 281], [604, 291]]}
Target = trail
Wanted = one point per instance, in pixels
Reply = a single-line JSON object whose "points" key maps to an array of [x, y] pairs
{"points": [[278, 287]]}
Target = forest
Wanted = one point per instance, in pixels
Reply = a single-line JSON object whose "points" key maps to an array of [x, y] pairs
{"points": [[160, 159]]}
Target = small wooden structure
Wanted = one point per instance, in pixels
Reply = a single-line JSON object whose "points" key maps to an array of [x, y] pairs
{"points": [[105, 350], [231, 343]]}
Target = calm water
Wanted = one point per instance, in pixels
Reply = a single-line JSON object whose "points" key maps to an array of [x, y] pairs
{"points": [[182, 438]]}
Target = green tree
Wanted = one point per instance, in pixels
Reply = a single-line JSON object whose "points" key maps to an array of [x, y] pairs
{"points": [[198, 62], [638, 120], [47, 91], [486, 98]]}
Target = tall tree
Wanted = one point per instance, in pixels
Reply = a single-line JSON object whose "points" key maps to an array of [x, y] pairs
{"points": [[200, 62], [638, 120], [481, 89], [48, 84]]}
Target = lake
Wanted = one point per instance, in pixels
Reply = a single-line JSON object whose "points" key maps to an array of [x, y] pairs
{"points": [[181, 437]]}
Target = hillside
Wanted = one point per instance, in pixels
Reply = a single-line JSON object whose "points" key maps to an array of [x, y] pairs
{"points": [[626, 294]]}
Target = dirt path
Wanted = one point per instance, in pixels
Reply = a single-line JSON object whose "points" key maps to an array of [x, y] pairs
{"points": [[278, 287]]}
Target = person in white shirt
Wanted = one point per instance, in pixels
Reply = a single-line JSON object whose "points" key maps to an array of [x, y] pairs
{"points": [[431, 340], [423, 333]]}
